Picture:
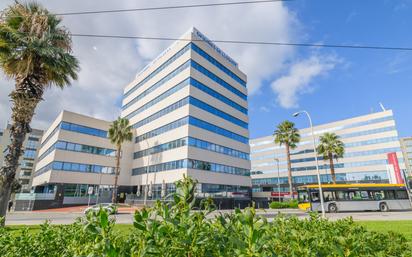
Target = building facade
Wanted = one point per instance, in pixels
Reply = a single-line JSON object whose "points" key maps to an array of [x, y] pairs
{"points": [[28, 160], [368, 139], [406, 144], [189, 113]]}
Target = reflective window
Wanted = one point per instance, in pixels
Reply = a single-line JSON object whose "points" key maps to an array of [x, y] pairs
{"points": [[195, 122], [158, 84], [191, 164], [75, 167], [217, 95], [159, 98], [158, 70], [217, 64], [83, 129], [63, 145], [217, 79]]}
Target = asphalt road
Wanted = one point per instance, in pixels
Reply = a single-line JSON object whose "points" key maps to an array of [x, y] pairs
{"points": [[34, 218]]}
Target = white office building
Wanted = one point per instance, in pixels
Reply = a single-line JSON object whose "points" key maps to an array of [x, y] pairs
{"points": [[189, 113]]}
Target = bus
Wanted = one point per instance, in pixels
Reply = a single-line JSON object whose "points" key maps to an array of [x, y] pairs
{"points": [[354, 197]]}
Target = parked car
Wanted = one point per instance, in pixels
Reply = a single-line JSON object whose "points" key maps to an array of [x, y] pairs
{"points": [[109, 207]]}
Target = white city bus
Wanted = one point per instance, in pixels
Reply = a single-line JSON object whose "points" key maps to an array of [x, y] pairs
{"points": [[355, 197]]}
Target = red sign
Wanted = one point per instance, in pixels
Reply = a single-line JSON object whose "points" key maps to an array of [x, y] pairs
{"points": [[281, 194], [393, 160]]}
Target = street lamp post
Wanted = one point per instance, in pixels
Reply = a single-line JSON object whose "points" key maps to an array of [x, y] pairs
{"points": [[277, 161], [316, 159]]}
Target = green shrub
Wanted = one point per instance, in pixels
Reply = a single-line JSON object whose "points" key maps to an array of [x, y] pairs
{"points": [[173, 229], [284, 205]]}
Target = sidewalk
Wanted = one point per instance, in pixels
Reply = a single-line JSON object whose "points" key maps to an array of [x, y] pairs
{"points": [[80, 209]]}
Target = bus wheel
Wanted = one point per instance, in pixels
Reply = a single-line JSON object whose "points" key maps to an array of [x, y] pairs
{"points": [[333, 208], [383, 207]]}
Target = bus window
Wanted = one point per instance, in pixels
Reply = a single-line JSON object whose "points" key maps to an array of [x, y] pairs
{"points": [[389, 195], [303, 196], [342, 195], [378, 195], [364, 195], [328, 196], [401, 194], [315, 196]]}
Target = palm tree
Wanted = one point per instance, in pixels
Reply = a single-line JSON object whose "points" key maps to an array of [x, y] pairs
{"points": [[331, 147], [286, 134], [36, 52], [119, 132]]}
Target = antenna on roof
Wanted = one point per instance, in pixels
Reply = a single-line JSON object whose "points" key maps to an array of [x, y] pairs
{"points": [[382, 107]]}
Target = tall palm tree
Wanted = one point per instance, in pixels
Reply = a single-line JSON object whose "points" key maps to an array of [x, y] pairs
{"points": [[286, 134], [36, 52], [119, 132], [331, 147]]}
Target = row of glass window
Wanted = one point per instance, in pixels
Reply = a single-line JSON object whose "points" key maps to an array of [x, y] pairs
{"points": [[216, 188], [372, 141], [351, 125], [190, 141], [175, 57], [181, 85], [178, 70], [168, 127], [79, 190], [191, 164], [29, 153], [327, 166], [218, 130], [217, 64], [32, 144], [204, 106], [195, 122], [217, 79], [360, 143], [217, 148], [347, 155], [158, 84], [32, 138], [75, 167], [158, 70], [325, 178], [166, 94], [368, 132], [356, 124], [217, 95], [193, 101], [162, 112], [83, 129]]}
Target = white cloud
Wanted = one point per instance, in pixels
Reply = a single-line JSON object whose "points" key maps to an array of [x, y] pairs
{"points": [[298, 80], [108, 65], [264, 109]]}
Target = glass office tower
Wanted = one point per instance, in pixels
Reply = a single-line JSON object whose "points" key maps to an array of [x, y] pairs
{"points": [[188, 109]]}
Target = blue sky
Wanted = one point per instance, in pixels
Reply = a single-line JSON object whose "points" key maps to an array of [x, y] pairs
{"points": [[362, 78]]}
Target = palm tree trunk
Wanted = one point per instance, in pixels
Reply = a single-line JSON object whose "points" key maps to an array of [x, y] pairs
{"points": [[289, 171], [332, 168], [116, 177], [25, 100]]}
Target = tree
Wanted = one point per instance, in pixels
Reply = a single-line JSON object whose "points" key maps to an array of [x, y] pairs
{"points": [[119, 132], [331, 147], [286, 134], [36, 52]]}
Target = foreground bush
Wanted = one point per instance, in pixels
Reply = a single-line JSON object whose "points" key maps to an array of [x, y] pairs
{"points": [[284, 205], [176, 230]]}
